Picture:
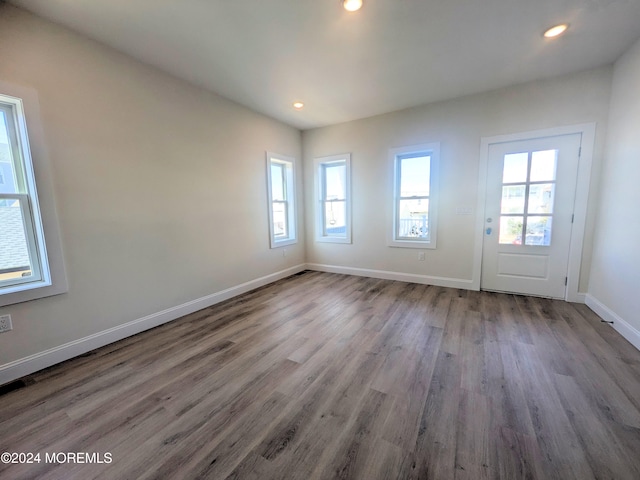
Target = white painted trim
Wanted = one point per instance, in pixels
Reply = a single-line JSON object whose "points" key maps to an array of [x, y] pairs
{"points": [[588, 132], [578, 298], [388, 275], [37, 166], [580, 210], [27, 365], [318, 198], [433, 151], [292, 199], [620, 325]]}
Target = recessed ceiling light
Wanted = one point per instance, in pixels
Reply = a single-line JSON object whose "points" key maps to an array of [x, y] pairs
{"points": [[298, 105], [556, 31], [352, 5]]}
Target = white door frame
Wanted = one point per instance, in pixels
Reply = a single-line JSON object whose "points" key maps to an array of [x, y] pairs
{"points": [[588, 131]]}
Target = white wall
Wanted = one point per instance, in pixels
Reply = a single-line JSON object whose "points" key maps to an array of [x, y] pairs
{"points": [[146, 170], [458, 125], [615, 272]]}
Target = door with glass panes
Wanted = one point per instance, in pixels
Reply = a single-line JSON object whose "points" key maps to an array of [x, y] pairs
{"points": [[528, 215]]}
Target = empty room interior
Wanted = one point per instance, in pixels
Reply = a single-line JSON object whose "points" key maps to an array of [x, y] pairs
{"points": [[378, 239]]}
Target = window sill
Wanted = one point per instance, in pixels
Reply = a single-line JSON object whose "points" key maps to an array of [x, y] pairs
{"points": [[411, 244], [31, 291], [284, 243], [332, 240]]}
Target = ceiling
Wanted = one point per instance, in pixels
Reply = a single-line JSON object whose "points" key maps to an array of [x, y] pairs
{"points": [[392, 54]]}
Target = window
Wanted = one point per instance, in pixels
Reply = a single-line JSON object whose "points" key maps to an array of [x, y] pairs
{"points": [[528, 191], [415, 199], [21, 248], [333, 199], [25, 271], [282, 203]]}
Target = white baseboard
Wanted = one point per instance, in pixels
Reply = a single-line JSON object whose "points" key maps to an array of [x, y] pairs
{"points": [[623, 327], [577, 297], [27, 365], [387, 275]]}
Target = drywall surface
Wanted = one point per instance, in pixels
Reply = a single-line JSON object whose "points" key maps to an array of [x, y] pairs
{"points": [[160, 186], [458, 125], [615, 270]]}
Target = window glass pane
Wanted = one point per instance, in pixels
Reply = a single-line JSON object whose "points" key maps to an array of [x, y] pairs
{"points": [[541, 198], [538, 231], [515, 167], [335, 182], [510, 230], [277, 182], [512, 199], [415, 176], [7, 174], [14, 250], [543, 165], [279, 219], [335, 218], [413, 219]]}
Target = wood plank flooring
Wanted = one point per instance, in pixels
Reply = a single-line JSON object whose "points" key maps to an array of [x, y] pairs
{"points": [[323, 376]]}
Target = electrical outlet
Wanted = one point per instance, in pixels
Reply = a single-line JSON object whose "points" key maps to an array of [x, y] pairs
{"points": [[284, 252], [421, 256], [5, 323]]}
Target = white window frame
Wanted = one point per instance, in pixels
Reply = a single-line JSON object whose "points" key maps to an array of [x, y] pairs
{"points": [[36, 203], [289, 183], [395, 156], [320, 165]]}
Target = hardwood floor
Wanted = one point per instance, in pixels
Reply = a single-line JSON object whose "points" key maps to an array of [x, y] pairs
{"points": [[323, 376]]}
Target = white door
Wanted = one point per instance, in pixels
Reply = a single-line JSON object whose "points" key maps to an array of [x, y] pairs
{"points": [[530, 198]]}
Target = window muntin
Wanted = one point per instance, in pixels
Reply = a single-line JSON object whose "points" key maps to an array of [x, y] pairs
{"points": [[333, 198], [528, 192], [281, 193], [415, 196], [23, 262]]}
